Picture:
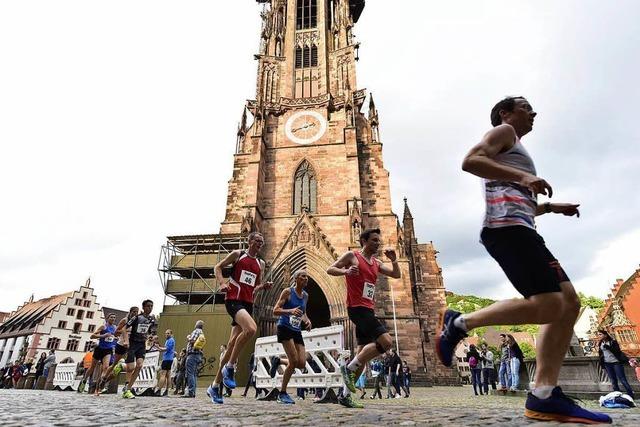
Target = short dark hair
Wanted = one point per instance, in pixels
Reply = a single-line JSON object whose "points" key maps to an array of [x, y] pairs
{"points": [[147, 301], [507, 104], [367, 233]]}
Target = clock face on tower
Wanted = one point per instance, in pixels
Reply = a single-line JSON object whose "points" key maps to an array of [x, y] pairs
{"points": [[305, 127]]}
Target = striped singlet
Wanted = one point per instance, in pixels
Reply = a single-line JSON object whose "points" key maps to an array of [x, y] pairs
{"points": [[508, 203]]}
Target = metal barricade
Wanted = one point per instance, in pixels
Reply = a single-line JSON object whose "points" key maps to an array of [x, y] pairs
{"points": [[148, 376], [325, 346], [64, 376]]}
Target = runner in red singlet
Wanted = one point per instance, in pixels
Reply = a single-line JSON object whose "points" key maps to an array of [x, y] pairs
{"points": [[361, 269], [245, 281]]}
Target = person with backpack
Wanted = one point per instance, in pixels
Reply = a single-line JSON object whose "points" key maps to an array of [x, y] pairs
{"points": [[196, 342], [612, 359], [473, 357]]}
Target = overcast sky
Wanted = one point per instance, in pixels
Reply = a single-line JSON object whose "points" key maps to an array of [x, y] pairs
{"points": [[118, 121]]}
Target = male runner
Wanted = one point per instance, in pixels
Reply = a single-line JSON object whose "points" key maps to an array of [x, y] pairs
{"points": [[121, 349], [141, 326], [167, 360], [246, 279], [361, 269], [292, 309], [102, 353], [509, 235]]}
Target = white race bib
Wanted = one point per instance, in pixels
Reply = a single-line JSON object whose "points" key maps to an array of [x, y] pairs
{"points": [[368, 290], [295, 321], [248, 278], [108, 339], [142, 328]]}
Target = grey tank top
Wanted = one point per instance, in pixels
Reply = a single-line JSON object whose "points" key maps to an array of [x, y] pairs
{"points": [[508, 203]]}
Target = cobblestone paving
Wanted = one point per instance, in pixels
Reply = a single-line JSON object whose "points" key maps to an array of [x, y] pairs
{"points": [[437, 406]]}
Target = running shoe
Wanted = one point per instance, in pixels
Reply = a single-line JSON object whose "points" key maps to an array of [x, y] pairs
{"points": [[285, 398], [214, 395], [449, 338], [228, 377], [128, 395], [275, 362], [117, 369], [349, 378], [349, 402], [560, 407]]}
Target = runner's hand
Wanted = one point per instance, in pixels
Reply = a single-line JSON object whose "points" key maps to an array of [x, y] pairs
{"points": [[296, 312], [568, 209], [391, 254], [308, 328], [537, 185], [223, 287], [352, 271]]}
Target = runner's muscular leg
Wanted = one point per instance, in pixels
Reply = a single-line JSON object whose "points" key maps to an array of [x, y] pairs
{"points": [[249, 329], [235, 331]]}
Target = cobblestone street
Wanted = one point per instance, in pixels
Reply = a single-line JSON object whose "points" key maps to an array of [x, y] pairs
{"points": [[435, 406]]}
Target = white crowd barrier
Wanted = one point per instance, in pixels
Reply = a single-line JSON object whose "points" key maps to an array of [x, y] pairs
{"points": [[65, 376], [148, 376], [327, 342]]}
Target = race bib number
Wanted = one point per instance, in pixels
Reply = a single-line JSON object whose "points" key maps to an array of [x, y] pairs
{"points": [[142, 328], [295, 321], [248, 278], [108, 339], [368, 290]]}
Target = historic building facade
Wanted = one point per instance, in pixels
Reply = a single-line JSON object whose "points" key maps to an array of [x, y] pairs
{"points": [[309, 175]]}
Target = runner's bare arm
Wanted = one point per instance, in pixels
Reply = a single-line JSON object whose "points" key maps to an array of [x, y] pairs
{"points": [[263, 285], [567, 209], [343, 265], [97, 334], [121, 326], [394, 270], [480, 161], [228, 260], [284, 296]]}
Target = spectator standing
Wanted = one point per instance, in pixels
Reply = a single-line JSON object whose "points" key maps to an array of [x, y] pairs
{"points": [[394, 369], [515, 362], [48, 362], [504, 374], [194, 357], [406, 378], [39, 368], [180, 372], [16, 373], [475, 364], [613, 361], [486, 357], [167, 361], [377, 372]]}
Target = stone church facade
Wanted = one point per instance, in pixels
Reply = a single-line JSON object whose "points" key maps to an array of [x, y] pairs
{"points": [[309, 175]]}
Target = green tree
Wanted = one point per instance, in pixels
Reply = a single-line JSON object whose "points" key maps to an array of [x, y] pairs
{"points": [[527, 350], [590, 301]]}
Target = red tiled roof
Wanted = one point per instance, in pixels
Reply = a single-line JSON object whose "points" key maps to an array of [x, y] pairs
{"points": [[30, 314]]}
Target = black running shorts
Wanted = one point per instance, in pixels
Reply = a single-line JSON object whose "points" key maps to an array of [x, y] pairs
{"points": [[166, 365], [121, 350], [523, 256], [286, 334], [137, 350], [100, 353], [234, 306], [368, 327]]}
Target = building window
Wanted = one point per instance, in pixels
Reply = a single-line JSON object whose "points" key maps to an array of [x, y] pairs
{"points": [[78, 302], [89, 314], [91, 328], [77, 327], [86, 303], [80, 314], [87, 346], [71, 311], [307, 57], [306, 14], [62, 324], [72, 345], [305, 189], [53, 343], [84, 295]]}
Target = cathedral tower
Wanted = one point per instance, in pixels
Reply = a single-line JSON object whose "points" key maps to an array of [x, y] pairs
{"points": [[309, 175]]}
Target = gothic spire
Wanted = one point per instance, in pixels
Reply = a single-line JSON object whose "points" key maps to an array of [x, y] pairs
{"points": [[242, 127], [373, 111], [407, 212]]}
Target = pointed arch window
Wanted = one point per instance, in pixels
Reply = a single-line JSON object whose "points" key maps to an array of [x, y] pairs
{"points": [[305, 189]]}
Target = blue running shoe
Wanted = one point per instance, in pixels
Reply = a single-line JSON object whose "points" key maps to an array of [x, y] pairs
{"points": [[214, 395], [561, 408], [228, 377], [285, 398], [449, 337], [275, 362]]}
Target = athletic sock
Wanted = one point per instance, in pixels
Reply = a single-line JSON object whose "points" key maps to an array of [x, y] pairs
{"points": [[460, 323], [543, 392], [215, 386], [354, 364], [230, 365]]}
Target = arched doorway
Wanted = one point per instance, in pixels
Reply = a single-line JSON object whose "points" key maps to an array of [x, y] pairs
{"points": [[317, 306]]}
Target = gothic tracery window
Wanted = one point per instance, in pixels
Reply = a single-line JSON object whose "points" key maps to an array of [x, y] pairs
{"points": [[305, 189], [306, 14]]}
